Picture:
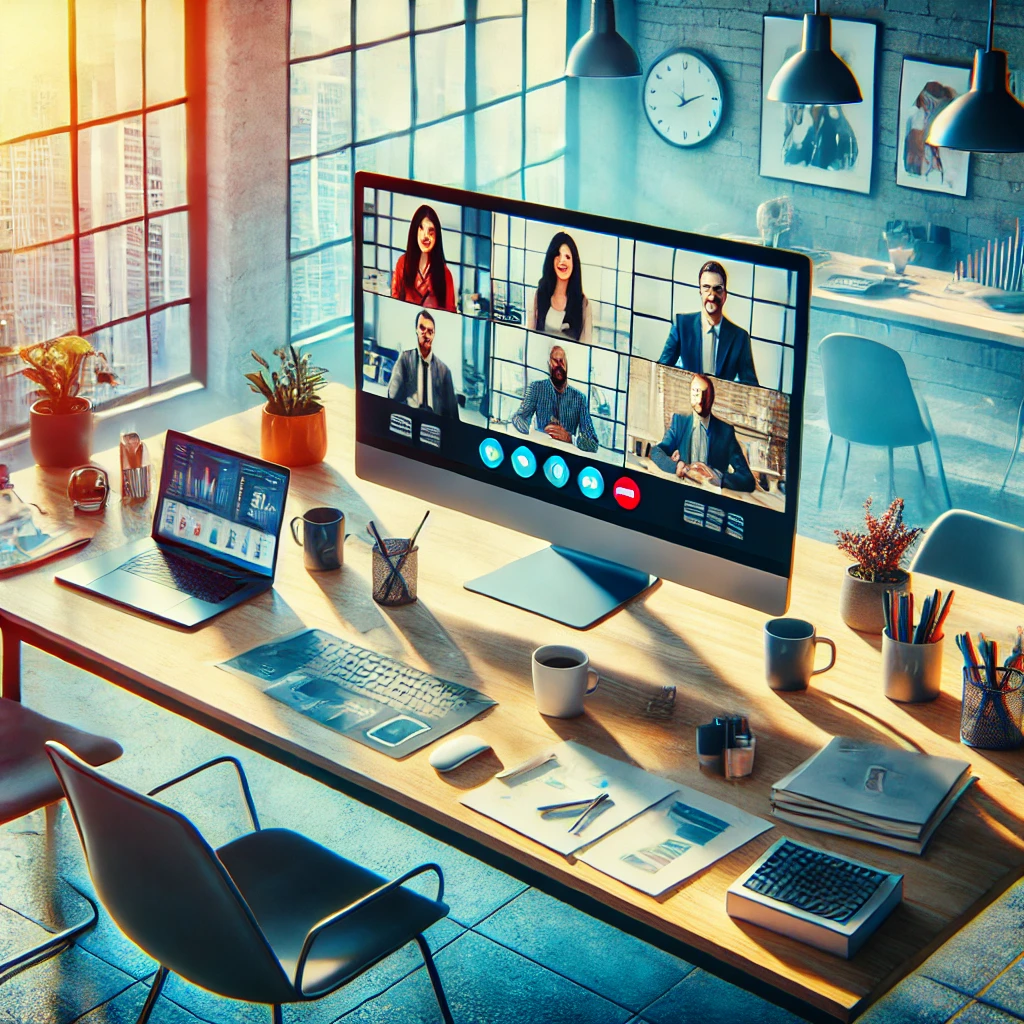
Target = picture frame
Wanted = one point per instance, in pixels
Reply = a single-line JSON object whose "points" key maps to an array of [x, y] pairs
{"points": [[926, 87], [794, 145]]}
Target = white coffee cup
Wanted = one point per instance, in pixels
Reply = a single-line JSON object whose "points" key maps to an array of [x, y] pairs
{"points": [[562, 677]]}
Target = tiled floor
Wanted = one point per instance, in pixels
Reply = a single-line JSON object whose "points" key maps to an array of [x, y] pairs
{"points": [[507, 954]]}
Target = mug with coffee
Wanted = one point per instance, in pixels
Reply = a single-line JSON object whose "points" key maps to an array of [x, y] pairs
{"points": [[789, 646], [562, 677], [323, 538]]}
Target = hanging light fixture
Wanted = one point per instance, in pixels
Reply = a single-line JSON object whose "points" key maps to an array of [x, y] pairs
{"points": [[815, 74], [602, 52], [987, 118]]}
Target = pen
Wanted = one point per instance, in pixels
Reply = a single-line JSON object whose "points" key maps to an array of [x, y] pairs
{"points": [[594, 804], [525, 766]]}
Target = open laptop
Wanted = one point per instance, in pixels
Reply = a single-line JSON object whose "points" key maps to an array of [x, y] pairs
{"points": [[216, 530]]}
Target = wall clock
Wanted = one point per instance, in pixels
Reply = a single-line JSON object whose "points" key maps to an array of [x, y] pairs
{"points": [[683, 98]]}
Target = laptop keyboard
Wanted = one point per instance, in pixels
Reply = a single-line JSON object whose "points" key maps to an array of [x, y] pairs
{"points": [[184, 575]]}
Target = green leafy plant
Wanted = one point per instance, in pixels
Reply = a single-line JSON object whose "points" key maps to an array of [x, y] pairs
{"points": [[881, 550], [294, 389], [58, 366]]}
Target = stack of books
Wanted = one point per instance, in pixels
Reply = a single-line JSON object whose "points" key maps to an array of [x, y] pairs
{"points": [[883, 795]]}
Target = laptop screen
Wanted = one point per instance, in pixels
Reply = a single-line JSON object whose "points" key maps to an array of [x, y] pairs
{"points": [[221, 503]]}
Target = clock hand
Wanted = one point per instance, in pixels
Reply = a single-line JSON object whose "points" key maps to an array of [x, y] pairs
{"points": [[690, 100]]}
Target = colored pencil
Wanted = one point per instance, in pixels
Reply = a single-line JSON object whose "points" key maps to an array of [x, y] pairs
{"points": [[936, 631]]}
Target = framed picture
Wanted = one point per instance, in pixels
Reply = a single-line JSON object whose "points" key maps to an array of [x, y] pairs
{"points": [[925, 88], [819, 145]]}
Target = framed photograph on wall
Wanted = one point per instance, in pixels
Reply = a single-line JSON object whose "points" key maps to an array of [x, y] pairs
{"points": [[820, 144], [926, 87]]}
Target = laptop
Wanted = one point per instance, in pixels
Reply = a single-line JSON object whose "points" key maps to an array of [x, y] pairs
{"points": [[216, 531]]}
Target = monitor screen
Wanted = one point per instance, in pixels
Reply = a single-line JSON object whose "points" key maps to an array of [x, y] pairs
{"points": [[221, 503], [644, 378]]}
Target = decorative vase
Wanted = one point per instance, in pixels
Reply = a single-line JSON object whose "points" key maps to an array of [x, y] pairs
{"points": [[60, 440], [294, 440], [860, 601]]}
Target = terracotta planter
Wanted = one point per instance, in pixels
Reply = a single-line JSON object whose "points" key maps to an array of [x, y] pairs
{"points": [[60, 440], [294, 440], [860, 601]]}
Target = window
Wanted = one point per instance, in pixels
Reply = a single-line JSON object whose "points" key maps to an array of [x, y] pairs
{"points": [[468, 93], [94, 216]]}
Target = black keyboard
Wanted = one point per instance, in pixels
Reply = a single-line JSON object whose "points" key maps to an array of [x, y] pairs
{"points": [[184, 575], [815, 882]]}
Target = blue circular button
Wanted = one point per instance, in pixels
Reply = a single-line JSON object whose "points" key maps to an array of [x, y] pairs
{"points": [[491, 453], [556, 471], [591, 483], [524, 462]]}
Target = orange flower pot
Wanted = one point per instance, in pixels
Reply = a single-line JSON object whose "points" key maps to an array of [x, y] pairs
{"points": [[60, 440], [294, 440]]}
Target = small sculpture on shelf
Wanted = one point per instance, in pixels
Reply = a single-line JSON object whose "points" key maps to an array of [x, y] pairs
{"points": [[774, 218]]}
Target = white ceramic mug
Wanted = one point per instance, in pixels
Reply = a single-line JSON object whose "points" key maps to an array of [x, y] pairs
{"points": [[562, 677]]}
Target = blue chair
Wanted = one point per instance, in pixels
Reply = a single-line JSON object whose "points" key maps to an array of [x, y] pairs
{"points": [[974, 551], [869, 400]]}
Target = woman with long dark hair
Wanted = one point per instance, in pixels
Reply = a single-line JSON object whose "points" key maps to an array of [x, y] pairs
{"points": [[421, 274], [559, 305]]}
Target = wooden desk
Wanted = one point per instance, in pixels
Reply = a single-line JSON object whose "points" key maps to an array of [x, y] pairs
{"points": [[711, 649]]}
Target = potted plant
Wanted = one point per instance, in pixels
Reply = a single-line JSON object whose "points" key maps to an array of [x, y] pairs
{"points": [[60, 421], [294, 427], [878, 567]]}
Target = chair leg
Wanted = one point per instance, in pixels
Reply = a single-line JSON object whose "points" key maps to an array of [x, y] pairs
{"points": [[824, 470], [846, 466], [892, 478], [920, 468], [55, 943], [435, 979], [154, 994], [942, 471], [1016, 444], [277, 1016]]}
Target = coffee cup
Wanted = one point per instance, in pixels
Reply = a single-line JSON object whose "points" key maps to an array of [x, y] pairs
{"points": [[789, 647], [562, 677], [323, 538]]}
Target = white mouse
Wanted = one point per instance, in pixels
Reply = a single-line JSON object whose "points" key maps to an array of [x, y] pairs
{"points": [[458, 750]]}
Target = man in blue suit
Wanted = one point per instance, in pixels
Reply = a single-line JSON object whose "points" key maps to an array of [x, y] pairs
{"points": [[706, 342], [700, 447]]}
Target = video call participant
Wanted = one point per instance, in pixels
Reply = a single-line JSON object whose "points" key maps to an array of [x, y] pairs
{"points": [[700, 447], [557, 408], [559, 305], [421, 274], [706, 342], [420, 379]]}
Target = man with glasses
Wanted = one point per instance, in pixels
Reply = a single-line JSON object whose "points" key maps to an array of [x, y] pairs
{"points": [[706, 342]]}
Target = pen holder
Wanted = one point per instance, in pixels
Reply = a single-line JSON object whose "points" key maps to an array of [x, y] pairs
{"points": [[390, 590], [911, 673], [990, 717]]}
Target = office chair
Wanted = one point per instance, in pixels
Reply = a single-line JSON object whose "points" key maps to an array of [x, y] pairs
{"points": [[28, 782], [869, 400], [974, 551], [271, 917]]}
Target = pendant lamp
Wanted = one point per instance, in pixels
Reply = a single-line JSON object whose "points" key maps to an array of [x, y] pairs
{"points": [[815, 74], [987, 118], [602, 52]]}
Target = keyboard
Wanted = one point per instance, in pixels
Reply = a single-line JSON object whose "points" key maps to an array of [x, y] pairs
{"points": [[815, 882], [184, 575]]}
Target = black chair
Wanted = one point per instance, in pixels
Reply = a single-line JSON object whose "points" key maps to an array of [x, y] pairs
{"points": [[271, 917], [28, 782]]}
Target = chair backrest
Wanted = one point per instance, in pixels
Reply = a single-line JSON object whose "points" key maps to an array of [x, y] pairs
{"points": [[868, 395], [164, 886], [974, 551]]}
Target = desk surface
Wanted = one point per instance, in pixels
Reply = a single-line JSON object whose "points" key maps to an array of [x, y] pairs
{"points": [[710, 648]]}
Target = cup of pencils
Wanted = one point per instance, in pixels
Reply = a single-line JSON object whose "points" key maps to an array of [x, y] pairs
{"points": [[912, 652], [993, 704], [395, 567]]}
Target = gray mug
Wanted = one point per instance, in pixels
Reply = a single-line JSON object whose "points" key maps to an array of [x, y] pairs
{"points": [[323, 538], [789, 653]]}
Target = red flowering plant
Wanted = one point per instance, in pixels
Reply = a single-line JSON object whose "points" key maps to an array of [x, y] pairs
{"points": [[58, 366], [880, 551]]}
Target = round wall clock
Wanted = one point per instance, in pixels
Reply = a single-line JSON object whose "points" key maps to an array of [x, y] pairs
{"points": [[683, 97]]}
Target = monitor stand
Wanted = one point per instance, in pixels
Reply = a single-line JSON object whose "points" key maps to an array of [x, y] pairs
{"points": [[568, 586]]}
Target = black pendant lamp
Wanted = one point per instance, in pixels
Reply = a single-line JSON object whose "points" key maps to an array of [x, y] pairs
{"points": [[602, 52], [987, 118], [815, 74]]}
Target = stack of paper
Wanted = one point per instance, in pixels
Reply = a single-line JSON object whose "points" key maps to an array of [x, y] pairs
{"points": [[883, 795]]}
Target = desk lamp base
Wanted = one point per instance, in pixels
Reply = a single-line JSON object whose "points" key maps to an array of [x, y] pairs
{"points": [[568, 586]]}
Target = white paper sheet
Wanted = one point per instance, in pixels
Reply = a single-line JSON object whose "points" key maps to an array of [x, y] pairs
{"points": [[673, 840], [575, 773]]}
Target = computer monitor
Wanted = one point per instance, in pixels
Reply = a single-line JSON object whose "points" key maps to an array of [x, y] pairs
{"points": [[632, 394]]}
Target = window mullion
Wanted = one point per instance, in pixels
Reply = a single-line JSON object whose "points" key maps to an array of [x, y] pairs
{"points": [[76, 254]]}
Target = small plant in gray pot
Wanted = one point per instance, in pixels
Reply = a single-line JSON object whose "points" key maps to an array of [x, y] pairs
{"points": [[879, 554]]}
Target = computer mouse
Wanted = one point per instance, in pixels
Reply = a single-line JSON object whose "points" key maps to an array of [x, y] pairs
{"points": [[458, 750]]}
